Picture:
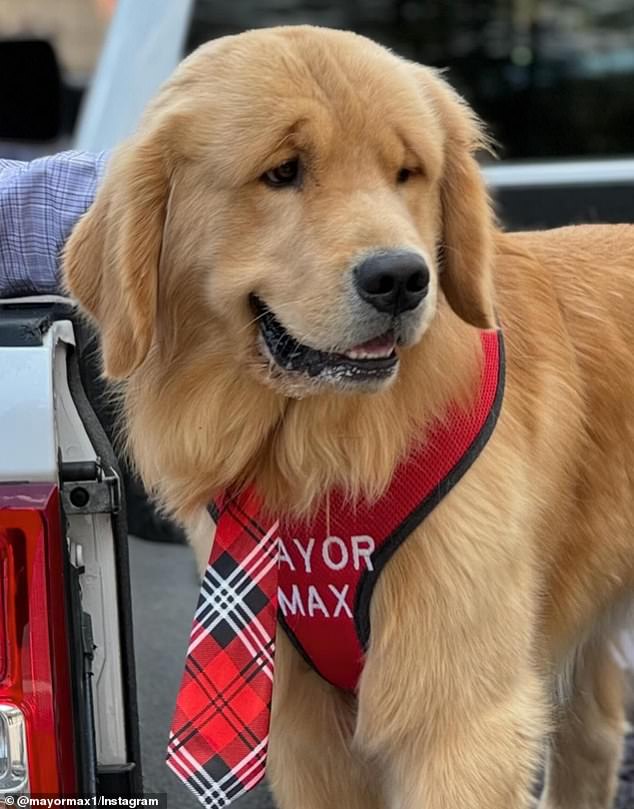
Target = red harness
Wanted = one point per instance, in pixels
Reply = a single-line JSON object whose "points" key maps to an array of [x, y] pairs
{"points": [[328, 567]]}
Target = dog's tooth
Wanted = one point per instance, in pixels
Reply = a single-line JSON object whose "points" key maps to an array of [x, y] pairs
{"points": [[369, 355]]}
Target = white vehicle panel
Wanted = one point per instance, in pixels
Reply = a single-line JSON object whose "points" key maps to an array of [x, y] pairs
{"points": [[28, 448]]}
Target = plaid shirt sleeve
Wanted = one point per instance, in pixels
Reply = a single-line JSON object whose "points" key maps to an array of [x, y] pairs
{"points": [[40, 201]]}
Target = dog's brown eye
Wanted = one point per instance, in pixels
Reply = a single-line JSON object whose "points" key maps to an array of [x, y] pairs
{"points": [[287, 173], [404, 175]]}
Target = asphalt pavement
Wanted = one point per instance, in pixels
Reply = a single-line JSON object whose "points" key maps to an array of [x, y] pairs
{"points": [[164, 593]]}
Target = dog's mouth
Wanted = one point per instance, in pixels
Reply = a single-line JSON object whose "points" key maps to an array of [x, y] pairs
{"points": [[375, 360]]}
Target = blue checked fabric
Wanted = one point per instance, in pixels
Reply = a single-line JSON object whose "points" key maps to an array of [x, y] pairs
{"points": [[40, 201]]}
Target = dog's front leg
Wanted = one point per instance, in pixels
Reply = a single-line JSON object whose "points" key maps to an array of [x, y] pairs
{"points": [[311, 763], [486, 761], [450, 706]]}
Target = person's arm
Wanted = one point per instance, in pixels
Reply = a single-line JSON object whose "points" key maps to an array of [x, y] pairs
{"points": [[40, 202]]}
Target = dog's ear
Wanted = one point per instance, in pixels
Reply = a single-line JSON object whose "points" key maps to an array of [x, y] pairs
{"points": [[111, 259], [466, 250]]}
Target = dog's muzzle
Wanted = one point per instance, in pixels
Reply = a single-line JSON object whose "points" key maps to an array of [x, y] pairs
{"points": [[372, 360]]}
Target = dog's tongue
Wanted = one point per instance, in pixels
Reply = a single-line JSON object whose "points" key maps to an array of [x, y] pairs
{"points": [[373, 349]]}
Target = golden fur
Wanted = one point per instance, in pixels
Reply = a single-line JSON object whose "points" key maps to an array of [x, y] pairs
{"points": [[491, 625]]}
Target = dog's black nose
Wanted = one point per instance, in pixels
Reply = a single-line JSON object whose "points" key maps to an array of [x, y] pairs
{"points": [[392, 282]]}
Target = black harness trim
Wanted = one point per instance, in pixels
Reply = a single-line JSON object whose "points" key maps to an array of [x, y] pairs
{"points": [[383, 554]]}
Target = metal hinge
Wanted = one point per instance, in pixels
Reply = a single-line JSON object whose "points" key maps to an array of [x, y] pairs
{"points": [[90, 488]]}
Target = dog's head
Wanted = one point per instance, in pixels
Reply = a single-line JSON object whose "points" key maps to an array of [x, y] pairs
{"points": [[300, 198]]}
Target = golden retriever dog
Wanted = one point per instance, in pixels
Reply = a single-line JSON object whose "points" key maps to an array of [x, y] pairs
{"points": [[270, 168]]}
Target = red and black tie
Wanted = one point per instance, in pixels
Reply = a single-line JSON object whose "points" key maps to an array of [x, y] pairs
{"points": [[219, 736]]}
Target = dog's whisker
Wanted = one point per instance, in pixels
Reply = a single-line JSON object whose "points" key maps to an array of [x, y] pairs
{"points": [[251, 322]]}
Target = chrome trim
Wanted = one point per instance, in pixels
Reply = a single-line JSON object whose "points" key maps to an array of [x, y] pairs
{"points": [[14, 765], [559, 173]]}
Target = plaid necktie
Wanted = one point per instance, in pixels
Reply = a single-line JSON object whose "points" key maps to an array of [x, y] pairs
{"points": [[219, 736]]}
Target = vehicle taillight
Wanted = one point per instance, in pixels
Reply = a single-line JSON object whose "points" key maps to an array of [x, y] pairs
{"points": [[37, 753]]}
